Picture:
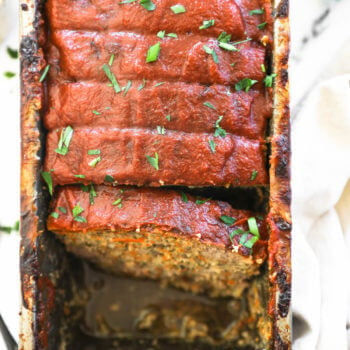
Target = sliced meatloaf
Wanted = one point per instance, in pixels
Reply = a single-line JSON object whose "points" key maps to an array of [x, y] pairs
{"points": [[229, 15], [80, 55], [195, 244], [155, 157], [176, 106]]}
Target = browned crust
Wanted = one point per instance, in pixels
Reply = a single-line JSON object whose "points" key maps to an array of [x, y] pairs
{"points": [[280, 194], [35, 309]]}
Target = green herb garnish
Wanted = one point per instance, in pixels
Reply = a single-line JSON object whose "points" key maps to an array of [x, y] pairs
{"points": [[93, 152], [207, 24], [209, 105], [96, 112], [55, 215], [109, 178], [257, 12], [159, 84], [161, 130], [94, 162], [269, 79], [112, 78], [168, 117], [77, 210], [262, 25], [154, 161], [263, 68], [80, 176], [46, 175], [254, 175], [219, 131], [245, 84], [184, 197], [13, 53], [161, 34], [141, 86], [118, 203], [111, 60], [211, 52], [127, 87], [172, 35], [201, 201], [153, 53], [62, 210], [44, 73], [9, 229], [9, 75], [212, 146], [178, 9], [228, 220], [253, 227], [92, 194], [64, 141], [224, 37], [148, 5]]}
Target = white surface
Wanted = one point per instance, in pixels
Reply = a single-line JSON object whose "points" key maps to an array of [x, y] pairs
{"points": [[321, 169], [9, 169]]}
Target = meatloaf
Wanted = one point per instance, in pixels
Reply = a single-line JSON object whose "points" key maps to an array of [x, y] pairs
{"points": [[152, 94], [193, 243]]}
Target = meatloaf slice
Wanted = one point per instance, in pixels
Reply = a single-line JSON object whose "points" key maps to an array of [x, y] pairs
{"points": [[112, 15], [155, 157], [161, 235], [190, 107], [81, 55]]}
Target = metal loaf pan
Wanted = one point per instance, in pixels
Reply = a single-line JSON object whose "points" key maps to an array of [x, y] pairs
{"points": [[45, 278]]}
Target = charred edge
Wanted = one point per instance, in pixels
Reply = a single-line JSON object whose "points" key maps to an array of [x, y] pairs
{"points": [[283, 225], [285, 293], [24, 7], [283, 9], [284, 77], [284, 60], [282, 167], [285, 196], [29, 48], [279, 344]]}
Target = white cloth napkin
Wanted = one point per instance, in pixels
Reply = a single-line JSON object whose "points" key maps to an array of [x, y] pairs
{"points": [[320, 91]]}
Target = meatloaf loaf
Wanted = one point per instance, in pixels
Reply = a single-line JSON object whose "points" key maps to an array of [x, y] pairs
{"points": [[195, 244], [154, 93]]}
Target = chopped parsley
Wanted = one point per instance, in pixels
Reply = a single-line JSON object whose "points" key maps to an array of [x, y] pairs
{"points": [[154, 161], [168, 117], [228, 47], [62, 210], [201, 201], [80, 219], [263, 68], [209, 105], [127, 1], [109, 178], [13, 53], [111, 60], [118, 203], [224, 37], [262, 25], [46, 175], [207, 24], [96, 112], [228, 220], [178, 9], [80, 176], [142, 85], [184, 197], [95, 161], [253, 227], [92, 194], [76, 211], [111, 77], [172, 35], [93, 152], [161, 34], [269, 79], [9, 75], [257, 12], [64, 141], [9, 229], [148, 5], [55, 215], [250, 243], [211, 52], [161, 130], [245, 84], [212, 145], [44, 73], [127, 87], [153, 53], [219, 131], [159, 84], [254, 175]]}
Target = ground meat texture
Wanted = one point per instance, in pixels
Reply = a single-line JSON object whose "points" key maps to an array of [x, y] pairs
{"points": [[111, 15], [159, 235], [190, 159], [145, 105], [81, 55]]}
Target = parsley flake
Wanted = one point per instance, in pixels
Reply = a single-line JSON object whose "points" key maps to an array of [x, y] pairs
{"points": [[13, 53], [178, 9], [228, 220], [95, 161], [154, 161], [109, 178], [212, 145], [112, 78], [245, 84], [219, 131], [64, 141], [93, 152], [257, 12], [269, 79], [148, 5], [209, 105], [207, 24], [184, 197], [254, 175], [211, 52], [153, 53], [44, 73]]}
